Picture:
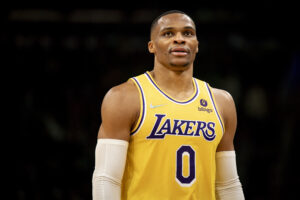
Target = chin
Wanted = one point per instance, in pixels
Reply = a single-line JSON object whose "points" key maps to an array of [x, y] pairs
{"points": [[180, 64]]}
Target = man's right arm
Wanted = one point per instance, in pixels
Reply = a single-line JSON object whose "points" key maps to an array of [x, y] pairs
{"points": [[119, 111]]}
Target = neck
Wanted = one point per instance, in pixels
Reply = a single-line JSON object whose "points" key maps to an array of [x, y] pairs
{"points": [[176, 81]]}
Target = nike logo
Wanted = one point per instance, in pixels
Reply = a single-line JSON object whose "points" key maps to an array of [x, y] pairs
{"points": [[156, 106]]}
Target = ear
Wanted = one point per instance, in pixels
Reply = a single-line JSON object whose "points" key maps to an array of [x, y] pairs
{"points": [[151, 47]]}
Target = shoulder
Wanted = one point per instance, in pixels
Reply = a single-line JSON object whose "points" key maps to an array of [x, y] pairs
{"points": [[225, 103], [121, 97], [119, 111], [222, 96], [122, 92]]}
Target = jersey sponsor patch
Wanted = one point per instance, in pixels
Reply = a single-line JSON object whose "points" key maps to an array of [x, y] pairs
{"points": [[203, 106]]}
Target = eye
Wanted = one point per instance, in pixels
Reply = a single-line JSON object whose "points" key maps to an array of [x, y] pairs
{"points": [[188, 33], [168, 34]]}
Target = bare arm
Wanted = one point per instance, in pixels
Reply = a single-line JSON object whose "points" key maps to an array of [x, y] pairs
{"points": [[119, 112], [228, 186], [227, 110]]}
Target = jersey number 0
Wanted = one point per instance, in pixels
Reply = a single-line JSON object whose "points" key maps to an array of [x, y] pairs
{"points": [[185, 181]]}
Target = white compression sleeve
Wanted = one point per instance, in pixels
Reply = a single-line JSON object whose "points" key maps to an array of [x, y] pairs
{"points": [[110, 160], [228, 185]]}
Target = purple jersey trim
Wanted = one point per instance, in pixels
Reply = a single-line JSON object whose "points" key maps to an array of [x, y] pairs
{"points": [[143, 113], [212, 99], [179, 102]]}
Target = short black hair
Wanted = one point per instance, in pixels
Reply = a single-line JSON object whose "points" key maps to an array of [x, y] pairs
{"points": [[154, 22]]}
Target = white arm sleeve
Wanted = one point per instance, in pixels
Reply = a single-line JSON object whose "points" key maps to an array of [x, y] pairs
{"points": [[110, 160], [228, 185]]}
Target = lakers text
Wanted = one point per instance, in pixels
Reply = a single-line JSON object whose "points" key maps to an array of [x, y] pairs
{"points": [[163, 126]]}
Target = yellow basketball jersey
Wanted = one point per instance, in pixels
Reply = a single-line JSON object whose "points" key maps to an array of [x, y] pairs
{"points": [[172, 148]]}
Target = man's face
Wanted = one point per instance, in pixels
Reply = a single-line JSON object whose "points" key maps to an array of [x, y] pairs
{"points": [[174, 41]]}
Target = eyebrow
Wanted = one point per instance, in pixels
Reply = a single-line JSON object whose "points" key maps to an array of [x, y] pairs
{"points": [[171, 28]]}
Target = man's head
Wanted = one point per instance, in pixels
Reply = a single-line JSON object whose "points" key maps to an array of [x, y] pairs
{"points": [[173, 39], [155, 21]]}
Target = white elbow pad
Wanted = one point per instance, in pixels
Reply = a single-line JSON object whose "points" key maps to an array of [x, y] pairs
{"points": [[228, 185], [110, 160]]}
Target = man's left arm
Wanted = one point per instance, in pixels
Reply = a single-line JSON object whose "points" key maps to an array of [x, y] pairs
{"points": [[228, 185]]}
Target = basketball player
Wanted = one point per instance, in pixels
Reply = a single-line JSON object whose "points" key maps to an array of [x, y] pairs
{"points": [[164, 134]]}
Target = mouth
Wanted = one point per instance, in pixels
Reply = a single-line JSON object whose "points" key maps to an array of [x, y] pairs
{"points": [[179, 51]]}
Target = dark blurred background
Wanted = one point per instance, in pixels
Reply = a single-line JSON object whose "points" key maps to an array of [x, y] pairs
{"points": [[64, 60]]}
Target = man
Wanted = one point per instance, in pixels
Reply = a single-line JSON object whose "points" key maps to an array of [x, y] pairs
{"points": [[164, 134]]}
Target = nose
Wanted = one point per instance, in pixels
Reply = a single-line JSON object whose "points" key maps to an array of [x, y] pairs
{"points": [[179, 39]]}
